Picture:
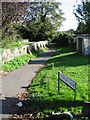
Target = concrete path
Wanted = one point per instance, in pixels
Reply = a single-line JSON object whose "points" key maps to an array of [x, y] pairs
{"points": [[18, 80]]}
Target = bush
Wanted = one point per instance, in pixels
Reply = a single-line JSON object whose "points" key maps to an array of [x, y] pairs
{"points": [[9, 34], [24, 32], [21, 60], [63, 39], [38, 52], [17, 62], [8, 40]]}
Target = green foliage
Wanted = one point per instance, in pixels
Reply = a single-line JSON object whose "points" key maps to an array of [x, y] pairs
{"points": [[9, 35], [17, 62], [40, 21], [71, 31], [18, 44], [38, 52], [81, 28], [44, 96], [41, 31], [24, 32], [12, 16], [13, 12], [8, 42], [62, 39], [44, 21], [21, 60], [82, 13]]}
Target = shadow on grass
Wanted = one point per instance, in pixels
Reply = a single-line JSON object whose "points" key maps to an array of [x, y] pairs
{"points": [[69, 60], [62, 50], [9, 105], [54, 105]]}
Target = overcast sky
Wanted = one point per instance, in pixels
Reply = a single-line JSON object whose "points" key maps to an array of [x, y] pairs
{"points": [[67, 8]]}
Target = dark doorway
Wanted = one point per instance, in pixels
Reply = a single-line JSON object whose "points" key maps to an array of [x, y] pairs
{"points": [[80, 45]]}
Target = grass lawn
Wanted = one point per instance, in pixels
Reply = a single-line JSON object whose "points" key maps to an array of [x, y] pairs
{"points": [[43, 92]]}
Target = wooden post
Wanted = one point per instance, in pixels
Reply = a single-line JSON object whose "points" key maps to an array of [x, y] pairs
{"points": [[75, 93]]}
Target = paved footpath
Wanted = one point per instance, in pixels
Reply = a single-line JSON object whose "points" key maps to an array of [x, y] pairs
{"points": [[18, 80]]}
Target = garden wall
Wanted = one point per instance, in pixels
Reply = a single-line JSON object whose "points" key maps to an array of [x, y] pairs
{"points": [[8, 54]]}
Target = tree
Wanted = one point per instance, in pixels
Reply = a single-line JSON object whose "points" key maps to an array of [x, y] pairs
{"points": [[13, 13], [45, 19], [71, 31], [81, 28], [82, 13], [34, 20]]}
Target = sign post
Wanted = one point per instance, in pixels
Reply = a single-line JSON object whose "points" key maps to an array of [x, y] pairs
{"points": [[58, 81], [67, 81]]}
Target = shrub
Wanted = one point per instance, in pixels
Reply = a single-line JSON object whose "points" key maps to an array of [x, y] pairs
{"points": [[63, 39], [24, 32], [9, 34], [16, 62], [21, 60]]}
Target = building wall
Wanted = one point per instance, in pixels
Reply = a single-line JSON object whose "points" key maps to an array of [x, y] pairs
{"points": [[8, 54], [89, 47], [85, 44]]}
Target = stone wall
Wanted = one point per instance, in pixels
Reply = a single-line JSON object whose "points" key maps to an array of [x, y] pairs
{"points": [[8, 54]]}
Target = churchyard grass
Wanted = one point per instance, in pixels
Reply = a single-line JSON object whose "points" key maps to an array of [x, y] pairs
{"points": [[43, 93]]}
